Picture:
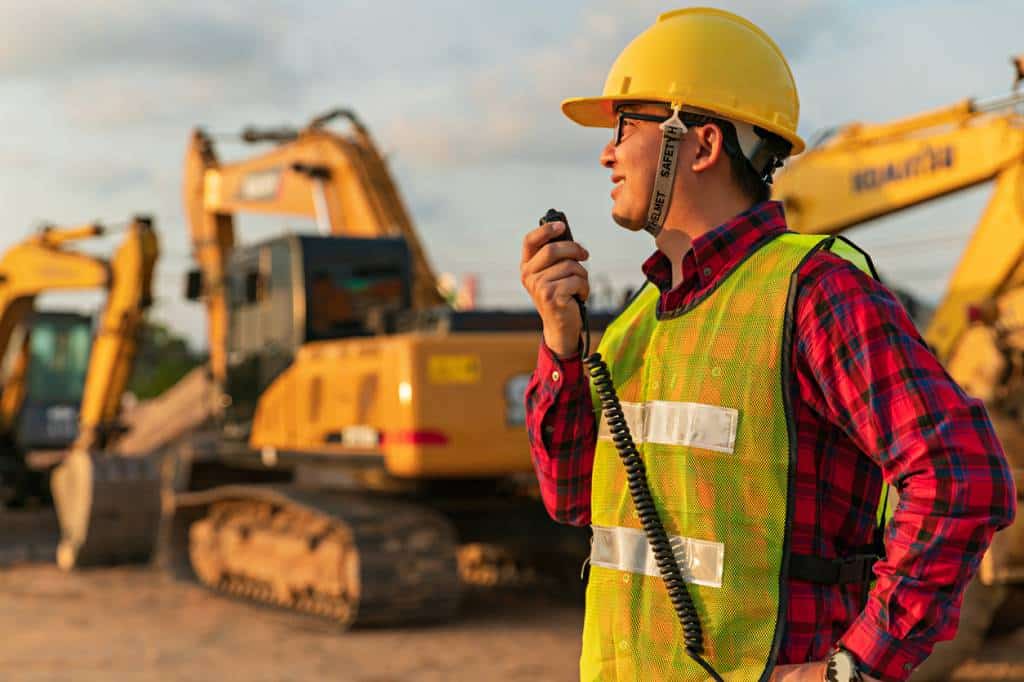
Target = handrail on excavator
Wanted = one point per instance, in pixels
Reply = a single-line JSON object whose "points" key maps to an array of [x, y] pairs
{"points": [[280, 134], [55, 236]]}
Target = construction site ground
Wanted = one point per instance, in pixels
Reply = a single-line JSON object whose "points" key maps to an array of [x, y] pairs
{"points": [[135, 624]]}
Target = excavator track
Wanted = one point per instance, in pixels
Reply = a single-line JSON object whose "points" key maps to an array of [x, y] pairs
{"points": [[351, 559]]}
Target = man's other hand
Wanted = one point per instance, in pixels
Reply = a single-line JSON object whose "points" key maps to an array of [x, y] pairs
{"points": [[807, 672]]}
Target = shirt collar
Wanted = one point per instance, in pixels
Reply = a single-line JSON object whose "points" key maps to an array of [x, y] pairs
{"points": [[712, 253]]}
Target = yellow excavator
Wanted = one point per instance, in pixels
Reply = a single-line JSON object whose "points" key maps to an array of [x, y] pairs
{"points": [[61, 382], [864, 171], [366, 442]]}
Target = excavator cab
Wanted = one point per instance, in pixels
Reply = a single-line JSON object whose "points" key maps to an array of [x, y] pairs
{"points": [[58, 358], [294, 289]]}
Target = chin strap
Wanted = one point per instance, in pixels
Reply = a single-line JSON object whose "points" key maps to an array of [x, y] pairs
{"points": [[672, 132]]}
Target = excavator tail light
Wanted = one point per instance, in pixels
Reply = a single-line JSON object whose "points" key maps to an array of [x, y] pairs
{"points": [[415, 437]]}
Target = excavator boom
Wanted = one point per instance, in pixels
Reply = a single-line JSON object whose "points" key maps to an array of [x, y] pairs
{"points": [[116, 341], [869, 171], [340, 181], [37, 265]]}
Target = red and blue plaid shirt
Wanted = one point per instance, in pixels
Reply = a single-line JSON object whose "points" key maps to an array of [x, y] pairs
{"points": [[871, 403]]}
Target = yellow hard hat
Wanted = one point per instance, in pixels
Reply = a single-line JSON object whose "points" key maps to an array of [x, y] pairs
{"points": [[704, 58]]}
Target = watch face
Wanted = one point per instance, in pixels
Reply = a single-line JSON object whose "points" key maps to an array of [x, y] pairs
{"points": [[841, 668]]}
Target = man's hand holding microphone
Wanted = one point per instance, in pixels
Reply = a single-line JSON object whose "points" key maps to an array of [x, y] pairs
{"points": [[552, 274]]}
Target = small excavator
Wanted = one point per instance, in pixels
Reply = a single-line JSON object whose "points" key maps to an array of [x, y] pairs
{"points": [[61, 382], [364, 454], [862, 171]]}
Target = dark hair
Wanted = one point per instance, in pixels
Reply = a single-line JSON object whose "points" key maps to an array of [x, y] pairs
{"points": [[750, 183], [754, 183]]}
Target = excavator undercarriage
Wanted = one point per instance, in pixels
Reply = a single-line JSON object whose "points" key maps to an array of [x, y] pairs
{"points": [[356, 559]]}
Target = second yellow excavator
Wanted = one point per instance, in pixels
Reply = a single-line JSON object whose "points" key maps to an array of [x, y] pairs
{"points": [[866, 171], [62, 381]]}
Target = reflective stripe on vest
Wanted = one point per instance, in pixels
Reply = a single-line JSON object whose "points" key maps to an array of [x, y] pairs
{"points": [[674, 423], [626, 549]]}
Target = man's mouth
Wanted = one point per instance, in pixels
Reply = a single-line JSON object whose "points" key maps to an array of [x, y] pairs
{"points": [[619, 181]]}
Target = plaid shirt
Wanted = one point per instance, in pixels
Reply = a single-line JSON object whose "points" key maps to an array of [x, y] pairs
{"points": [[871, 402]]}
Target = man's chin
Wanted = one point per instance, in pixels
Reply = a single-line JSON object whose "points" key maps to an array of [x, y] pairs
{"points": [[631, 224]]}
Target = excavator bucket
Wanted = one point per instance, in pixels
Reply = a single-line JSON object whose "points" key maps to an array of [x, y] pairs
{"points": [[109, 504], [108, 507]]}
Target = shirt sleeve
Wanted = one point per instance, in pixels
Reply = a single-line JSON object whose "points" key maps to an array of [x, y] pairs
{"points": [[563, 433], [883, 387]]}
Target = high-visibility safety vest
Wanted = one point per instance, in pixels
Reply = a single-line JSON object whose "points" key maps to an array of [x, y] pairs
{"points": [[706, 393]]}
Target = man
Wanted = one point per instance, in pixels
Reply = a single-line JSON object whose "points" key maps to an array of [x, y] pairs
{"points": [[771, 386]]}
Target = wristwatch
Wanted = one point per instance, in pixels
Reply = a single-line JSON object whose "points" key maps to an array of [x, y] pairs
{"points": [[841, 667]]}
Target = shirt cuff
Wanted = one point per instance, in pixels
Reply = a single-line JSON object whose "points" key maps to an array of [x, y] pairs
{"points": [[553, 373], [879, 653]]}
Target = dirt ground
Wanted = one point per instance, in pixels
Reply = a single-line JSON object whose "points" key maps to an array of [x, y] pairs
{"points": [[135, 624]]}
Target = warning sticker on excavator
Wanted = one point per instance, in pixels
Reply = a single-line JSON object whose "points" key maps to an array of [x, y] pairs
{"points": [[261, 185], [453, 369]]}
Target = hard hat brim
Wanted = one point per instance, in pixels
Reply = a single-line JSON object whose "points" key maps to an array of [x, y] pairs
{"points": [[593, 112], [599, 112]]}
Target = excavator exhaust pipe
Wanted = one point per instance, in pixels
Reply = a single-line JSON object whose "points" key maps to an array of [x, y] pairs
{"points": [[108, 508]]}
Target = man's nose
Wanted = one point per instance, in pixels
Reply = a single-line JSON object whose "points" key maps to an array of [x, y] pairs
{"points": [[608, 154]]}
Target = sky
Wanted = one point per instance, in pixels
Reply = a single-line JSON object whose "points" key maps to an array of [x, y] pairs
{"points": [[97, 99]]}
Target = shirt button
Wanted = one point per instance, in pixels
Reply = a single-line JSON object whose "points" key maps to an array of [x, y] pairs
{"points": [[623, 644], [625, 578], [707, 272], [549, 429], [555, 375]]}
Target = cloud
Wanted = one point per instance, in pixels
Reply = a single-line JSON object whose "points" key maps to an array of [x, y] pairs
{"points": [[509, 110], [103, 178], [462, 96], [107, 33], [118, 64], [906, 60]]}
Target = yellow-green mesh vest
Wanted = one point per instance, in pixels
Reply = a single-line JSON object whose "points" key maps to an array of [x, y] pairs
{"points": [[706, 393]]}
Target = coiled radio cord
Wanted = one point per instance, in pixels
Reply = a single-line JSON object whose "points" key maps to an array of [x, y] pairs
{"points": [[639, 489]]}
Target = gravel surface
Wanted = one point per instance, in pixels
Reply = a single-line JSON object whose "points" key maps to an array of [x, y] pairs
{"points": [[135, 624]]}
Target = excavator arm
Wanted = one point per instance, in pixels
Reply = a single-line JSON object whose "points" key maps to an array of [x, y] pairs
{"points": [[868, 171], [340, 181], [116, 341], [29, 268]]}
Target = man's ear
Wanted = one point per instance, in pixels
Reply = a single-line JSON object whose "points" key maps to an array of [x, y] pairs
{"points": [[709, 146]]}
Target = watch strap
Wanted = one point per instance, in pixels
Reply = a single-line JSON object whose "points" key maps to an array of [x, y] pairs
{"points": [[841, 666]]}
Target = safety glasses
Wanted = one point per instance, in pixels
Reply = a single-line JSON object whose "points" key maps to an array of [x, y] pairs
{"points": [[633, 116], [731, 144]]}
